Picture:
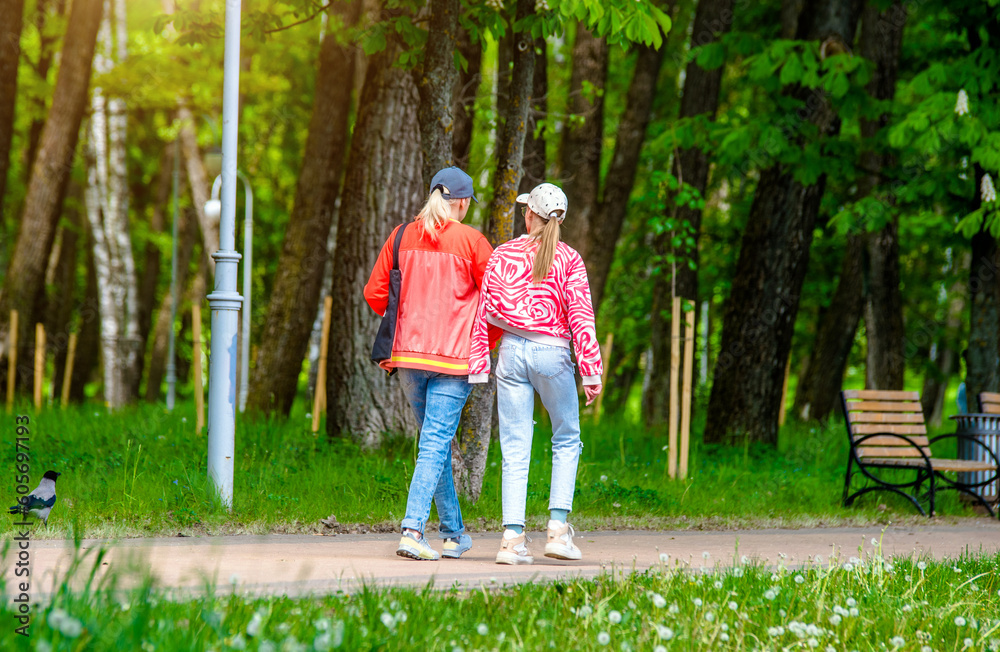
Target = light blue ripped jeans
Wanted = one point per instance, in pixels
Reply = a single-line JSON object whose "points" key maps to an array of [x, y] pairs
{"points": [[523, 368]]}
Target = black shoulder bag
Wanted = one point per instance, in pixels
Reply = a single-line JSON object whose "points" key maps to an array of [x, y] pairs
{"points": [[382, 349]]}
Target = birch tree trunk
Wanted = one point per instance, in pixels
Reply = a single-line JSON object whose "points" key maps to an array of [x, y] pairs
{"points": [[774, 255], [10, 55], [51, 171], [106, 198], [472, 443], [382, 188], [299, 280]]}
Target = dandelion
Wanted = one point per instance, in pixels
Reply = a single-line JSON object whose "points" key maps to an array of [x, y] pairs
{"points": [[664, 632], [772, 631], [732, 605], [959, 621], [782, 613], [851, 602], [926, 648], [309, 415], [908, 578], [604, 478], [962, 103], [267, 646], [674, 608], [967, 643], [835, 619], [697, 602], [907, 608], [799, 579], [705, 555], [584, 611], [898, 641], [659, 601], [770, 594], [664, 557], [854, 612], [615, 617], [482, 629], [253, 627], [744, 560], [989, 194], [387, 620], [812, 643], [717, 584], [737, 572], [659, 648], [240, 643], [819, 559], [723, 636], [710, 617], [603, 638]]}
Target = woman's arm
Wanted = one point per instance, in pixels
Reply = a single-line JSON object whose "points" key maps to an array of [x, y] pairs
{"points": [[580, 313], [482, 337]]}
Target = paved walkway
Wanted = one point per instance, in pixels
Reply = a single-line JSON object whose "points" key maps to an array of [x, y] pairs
{"points": [[302, 564]]}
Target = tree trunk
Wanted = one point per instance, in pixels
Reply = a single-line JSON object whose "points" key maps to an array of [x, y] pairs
{"points": [[774, 255], [464, 109], [816, 396], [936, 382], [63, 300], [10, 55], [43, 12], [982, 374], [42, 206], [583, 137], [151, 268], [470, 448], [186, 241], [534, 163], [106, 200], [382, 188], [712, 20], [604, 231], [298, 282], [881, 38], [200, 185], [436, 82], [88, 344]]}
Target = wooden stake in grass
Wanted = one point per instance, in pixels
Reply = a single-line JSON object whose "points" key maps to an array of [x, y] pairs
{"points": [[675, 366], [199, 392], [11, 360], [319, 402], [784, 392], [68, 373], [686, 389], [39, 364], [605, 358]]}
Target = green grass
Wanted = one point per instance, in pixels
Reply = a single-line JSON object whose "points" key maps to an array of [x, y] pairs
{"points": [[869, 603], [142, 471]]}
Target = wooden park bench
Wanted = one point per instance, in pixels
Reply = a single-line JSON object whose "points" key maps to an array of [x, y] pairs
{"points": [[886, 431], [989, 402]]}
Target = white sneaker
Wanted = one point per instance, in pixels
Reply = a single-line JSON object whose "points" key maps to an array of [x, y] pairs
{"points": [[560, 542], [513, 550]]}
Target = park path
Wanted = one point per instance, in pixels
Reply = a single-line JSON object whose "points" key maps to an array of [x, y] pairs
{"points": [[304, 564]]}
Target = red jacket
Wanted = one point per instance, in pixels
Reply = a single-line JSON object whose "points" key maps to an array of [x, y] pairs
{"points": [[438, 298]]}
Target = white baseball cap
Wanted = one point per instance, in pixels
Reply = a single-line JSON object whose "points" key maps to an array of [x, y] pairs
{"points": [[547, 200]]}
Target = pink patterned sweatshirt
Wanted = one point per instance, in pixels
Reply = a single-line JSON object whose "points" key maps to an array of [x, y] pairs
{"points": [[551, 312]]}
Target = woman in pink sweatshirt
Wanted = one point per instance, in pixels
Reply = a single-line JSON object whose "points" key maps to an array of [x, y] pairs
{"points": [[535, 288]]}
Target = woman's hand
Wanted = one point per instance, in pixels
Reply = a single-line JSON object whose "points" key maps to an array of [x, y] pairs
{"points": [[592, 391]]}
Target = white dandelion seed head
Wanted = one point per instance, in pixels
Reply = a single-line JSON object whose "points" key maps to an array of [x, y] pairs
{"points": [[835, 619], [854, 612], [603, 638], [921, 565], [723, 636], [967, 643], [664, 632], [710, 617], [962, 103], [659, 601], [697, 602], [851, 602], [799, 579], [674, 609], [705, 554], [387, 619], [959, 621], [615, 617], [738, 572], [604, 478], [584, 611], [770, 594], [482, 629], [732, 606], [717, 584], [659, 648], [664, 557]]}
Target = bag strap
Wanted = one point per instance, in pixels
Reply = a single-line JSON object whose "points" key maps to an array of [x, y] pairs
{"points": [[395, 248]]}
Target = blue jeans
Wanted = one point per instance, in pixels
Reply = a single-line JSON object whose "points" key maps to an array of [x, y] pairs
{"points": [[437, 400], [523, 368]]}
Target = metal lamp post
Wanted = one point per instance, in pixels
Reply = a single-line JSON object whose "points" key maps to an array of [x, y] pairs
{"points": [[225, 301], [213, 209]]}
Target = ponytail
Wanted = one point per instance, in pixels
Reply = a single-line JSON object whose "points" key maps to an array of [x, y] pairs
{"points": [[434, 215], [547, 238]]}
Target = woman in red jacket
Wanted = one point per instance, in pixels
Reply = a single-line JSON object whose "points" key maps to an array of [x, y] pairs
{"points": [[535, 288], [441, 262]]}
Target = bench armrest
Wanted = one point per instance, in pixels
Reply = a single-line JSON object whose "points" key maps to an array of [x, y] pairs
{"points": [[979, 442]]}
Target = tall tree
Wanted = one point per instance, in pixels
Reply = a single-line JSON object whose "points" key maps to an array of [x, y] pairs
{"points": [[304, 254], [45, 11], [382, 188], [580, 162], [774, 254], [712, 20], [470, 450], [106, 199], [816, 397], [26, 271], [534, 138], [881, 40], [436, 80], [463, 110], [10, 54]]}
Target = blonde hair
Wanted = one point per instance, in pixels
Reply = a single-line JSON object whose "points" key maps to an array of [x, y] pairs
{"points": [[547, 237], [434, 215]]}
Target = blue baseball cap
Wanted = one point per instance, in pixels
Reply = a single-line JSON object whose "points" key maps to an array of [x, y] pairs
{"points": [[454, 183]]}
